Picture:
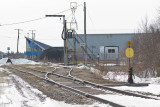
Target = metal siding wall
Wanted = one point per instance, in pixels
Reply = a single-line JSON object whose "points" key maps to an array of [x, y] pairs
{"points": [[108, 40], [99, 40]]}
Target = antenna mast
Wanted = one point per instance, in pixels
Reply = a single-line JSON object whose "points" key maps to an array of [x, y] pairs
{"points": [[73, 23]]}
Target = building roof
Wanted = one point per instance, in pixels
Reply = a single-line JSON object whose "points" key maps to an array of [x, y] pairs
{"points": [[40, 44], [115, 34]]}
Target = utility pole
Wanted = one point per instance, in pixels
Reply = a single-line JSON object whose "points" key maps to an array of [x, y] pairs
{"points": [[32, 44], [85, 41], [18, 39], [8, 48], [63, 36]]}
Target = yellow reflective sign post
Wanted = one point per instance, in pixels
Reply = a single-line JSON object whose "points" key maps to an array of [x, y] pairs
{"points": [[129, 52]]}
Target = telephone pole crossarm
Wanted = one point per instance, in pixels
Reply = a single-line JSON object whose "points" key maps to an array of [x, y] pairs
{"points": [[55, 15]]}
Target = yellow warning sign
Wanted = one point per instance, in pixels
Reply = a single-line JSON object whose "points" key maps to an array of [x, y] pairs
{"points": [[129, 43], [129, 52]]}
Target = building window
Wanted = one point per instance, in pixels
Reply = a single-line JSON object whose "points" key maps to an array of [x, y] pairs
{"points": [[111, 50]]}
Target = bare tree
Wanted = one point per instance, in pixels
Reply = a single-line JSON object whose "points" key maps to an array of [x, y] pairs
{"points": [[146, 47]]}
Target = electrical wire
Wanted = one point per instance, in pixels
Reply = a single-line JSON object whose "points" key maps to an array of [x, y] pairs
{"points": [[69, 16], [32, 20], [88, 14], [23, 21]]}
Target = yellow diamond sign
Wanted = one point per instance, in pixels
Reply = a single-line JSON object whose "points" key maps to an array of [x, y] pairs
{"points": [[129, 52]]}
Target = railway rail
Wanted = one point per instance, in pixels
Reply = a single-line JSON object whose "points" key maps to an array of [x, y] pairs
{"points": [[44, 76], [69, 76], [47, 77], [108, 88]]}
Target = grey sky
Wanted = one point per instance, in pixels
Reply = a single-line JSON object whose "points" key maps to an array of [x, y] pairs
{"points": [[103, 16]]}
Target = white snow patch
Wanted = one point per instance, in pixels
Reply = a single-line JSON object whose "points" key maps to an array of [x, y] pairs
{"points": [[130, 101], [94, 70], [121, 77], [152, 88], [152, 80], [110, 64], [17, 61], [23, 61], [83, 67]]}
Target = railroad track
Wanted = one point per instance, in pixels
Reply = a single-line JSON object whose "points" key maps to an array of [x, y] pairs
{"points": [[46, 76], [50, 76], [108, 88], [69, 76]]}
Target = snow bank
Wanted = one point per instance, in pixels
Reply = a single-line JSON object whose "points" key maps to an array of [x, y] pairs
{"points": [[17, 61], [121, 77], [3, 61], [83, 67], [152, 80], [129, 101], [23, 61], [94, 70], [153, 87]]}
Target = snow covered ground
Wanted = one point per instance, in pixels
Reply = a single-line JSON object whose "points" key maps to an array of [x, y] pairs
{"points": [[19, 93], [153, 90], [17, 61], [11, 96]]}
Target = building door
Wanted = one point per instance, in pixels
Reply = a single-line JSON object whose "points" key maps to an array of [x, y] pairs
{"points": [[111, 53]]}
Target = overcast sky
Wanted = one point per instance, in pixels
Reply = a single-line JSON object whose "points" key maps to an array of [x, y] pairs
{"points": [[103, 16]]}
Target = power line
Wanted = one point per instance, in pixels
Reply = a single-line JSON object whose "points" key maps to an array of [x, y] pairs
{"points": [[32, 20], [23, 21], [69, 16], [88, 14]]}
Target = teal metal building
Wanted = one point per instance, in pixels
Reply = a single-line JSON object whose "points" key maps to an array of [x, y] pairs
{"points": [[105, 46]]}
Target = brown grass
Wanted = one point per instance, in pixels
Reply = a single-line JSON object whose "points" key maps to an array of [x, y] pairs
{"points": [[3, 74]]}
